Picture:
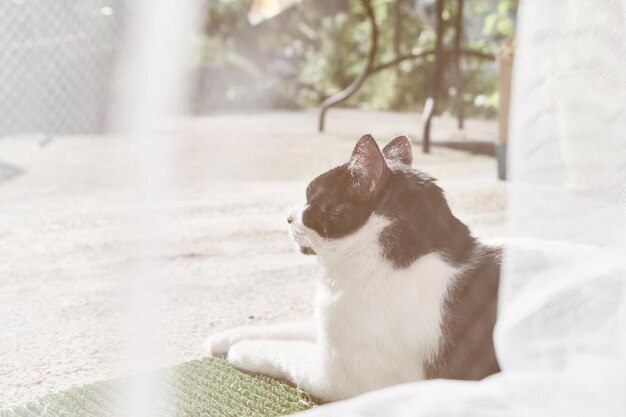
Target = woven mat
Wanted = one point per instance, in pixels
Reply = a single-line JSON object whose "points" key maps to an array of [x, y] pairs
{"points": [[206, 387]]}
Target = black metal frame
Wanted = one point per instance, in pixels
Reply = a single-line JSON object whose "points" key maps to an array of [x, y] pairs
{"points": [[441, 54], [360, 79]]}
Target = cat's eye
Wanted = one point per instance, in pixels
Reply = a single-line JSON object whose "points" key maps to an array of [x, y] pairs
{"points": [[338, 210]]}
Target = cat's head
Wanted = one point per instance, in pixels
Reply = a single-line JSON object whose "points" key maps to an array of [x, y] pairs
{"points": [[340, 200], [382, 183]]}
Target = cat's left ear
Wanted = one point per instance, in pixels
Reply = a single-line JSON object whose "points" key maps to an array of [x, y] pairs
{"points": [[367, 166], [399, 150]]}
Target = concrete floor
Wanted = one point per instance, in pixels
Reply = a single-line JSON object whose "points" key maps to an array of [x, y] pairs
{"points": [[224, 256]]}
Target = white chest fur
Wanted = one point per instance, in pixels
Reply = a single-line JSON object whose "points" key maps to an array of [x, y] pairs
{"points": [[377, 324]]}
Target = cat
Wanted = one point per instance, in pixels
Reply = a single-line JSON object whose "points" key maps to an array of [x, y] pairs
{"points": [[408, 294]]}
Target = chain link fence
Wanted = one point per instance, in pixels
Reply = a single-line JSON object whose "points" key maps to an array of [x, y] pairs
{"points": [[56, 62]]}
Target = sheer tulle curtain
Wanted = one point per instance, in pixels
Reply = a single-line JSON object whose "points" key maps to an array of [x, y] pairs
{"points": [[561, 332]]}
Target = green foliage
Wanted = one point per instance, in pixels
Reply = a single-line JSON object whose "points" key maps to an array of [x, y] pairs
{"points": [[317, 48], [500, 22]]}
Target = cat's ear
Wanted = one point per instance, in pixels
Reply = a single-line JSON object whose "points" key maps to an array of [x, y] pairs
{"points": [[399, 150], [367, 166]]}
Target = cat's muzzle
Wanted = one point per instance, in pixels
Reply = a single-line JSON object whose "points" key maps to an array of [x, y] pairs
{"points": [[307, 250], [297, 230], [300, 242]]}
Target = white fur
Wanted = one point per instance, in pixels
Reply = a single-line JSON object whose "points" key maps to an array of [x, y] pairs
{"points": [[375, 326]]}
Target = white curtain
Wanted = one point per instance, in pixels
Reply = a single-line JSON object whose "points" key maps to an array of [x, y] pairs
{"points": [[561, 332]]}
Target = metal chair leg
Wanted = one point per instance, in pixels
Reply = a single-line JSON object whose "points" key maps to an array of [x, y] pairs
{"points": [[458, 33], [356, 84], [431, 101]]}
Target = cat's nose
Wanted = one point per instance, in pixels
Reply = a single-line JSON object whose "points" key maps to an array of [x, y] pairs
{"points": [[290, 219]]}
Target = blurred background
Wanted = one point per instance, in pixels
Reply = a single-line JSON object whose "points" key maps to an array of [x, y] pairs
{"points": [[314, 49], [58, 57]]}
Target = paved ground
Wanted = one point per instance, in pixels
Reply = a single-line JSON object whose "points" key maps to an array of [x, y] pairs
{"points": [[225, 257]]}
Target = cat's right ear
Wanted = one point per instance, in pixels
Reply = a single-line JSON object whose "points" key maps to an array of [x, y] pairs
{"points": [[399, 150], [367, 167]]}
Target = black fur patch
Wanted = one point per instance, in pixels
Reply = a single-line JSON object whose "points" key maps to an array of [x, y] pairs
{"points": [[421, 220], [466, 349], [333, 209]]}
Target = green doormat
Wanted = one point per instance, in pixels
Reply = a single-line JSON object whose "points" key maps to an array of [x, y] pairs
{"points": [[206, 387]]}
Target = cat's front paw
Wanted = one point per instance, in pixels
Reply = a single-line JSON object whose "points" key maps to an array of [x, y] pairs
{"points": [[249, 355], [219, 344]]}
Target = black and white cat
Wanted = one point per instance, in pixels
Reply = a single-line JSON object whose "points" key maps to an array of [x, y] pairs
{"points": [[408, 293]]}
